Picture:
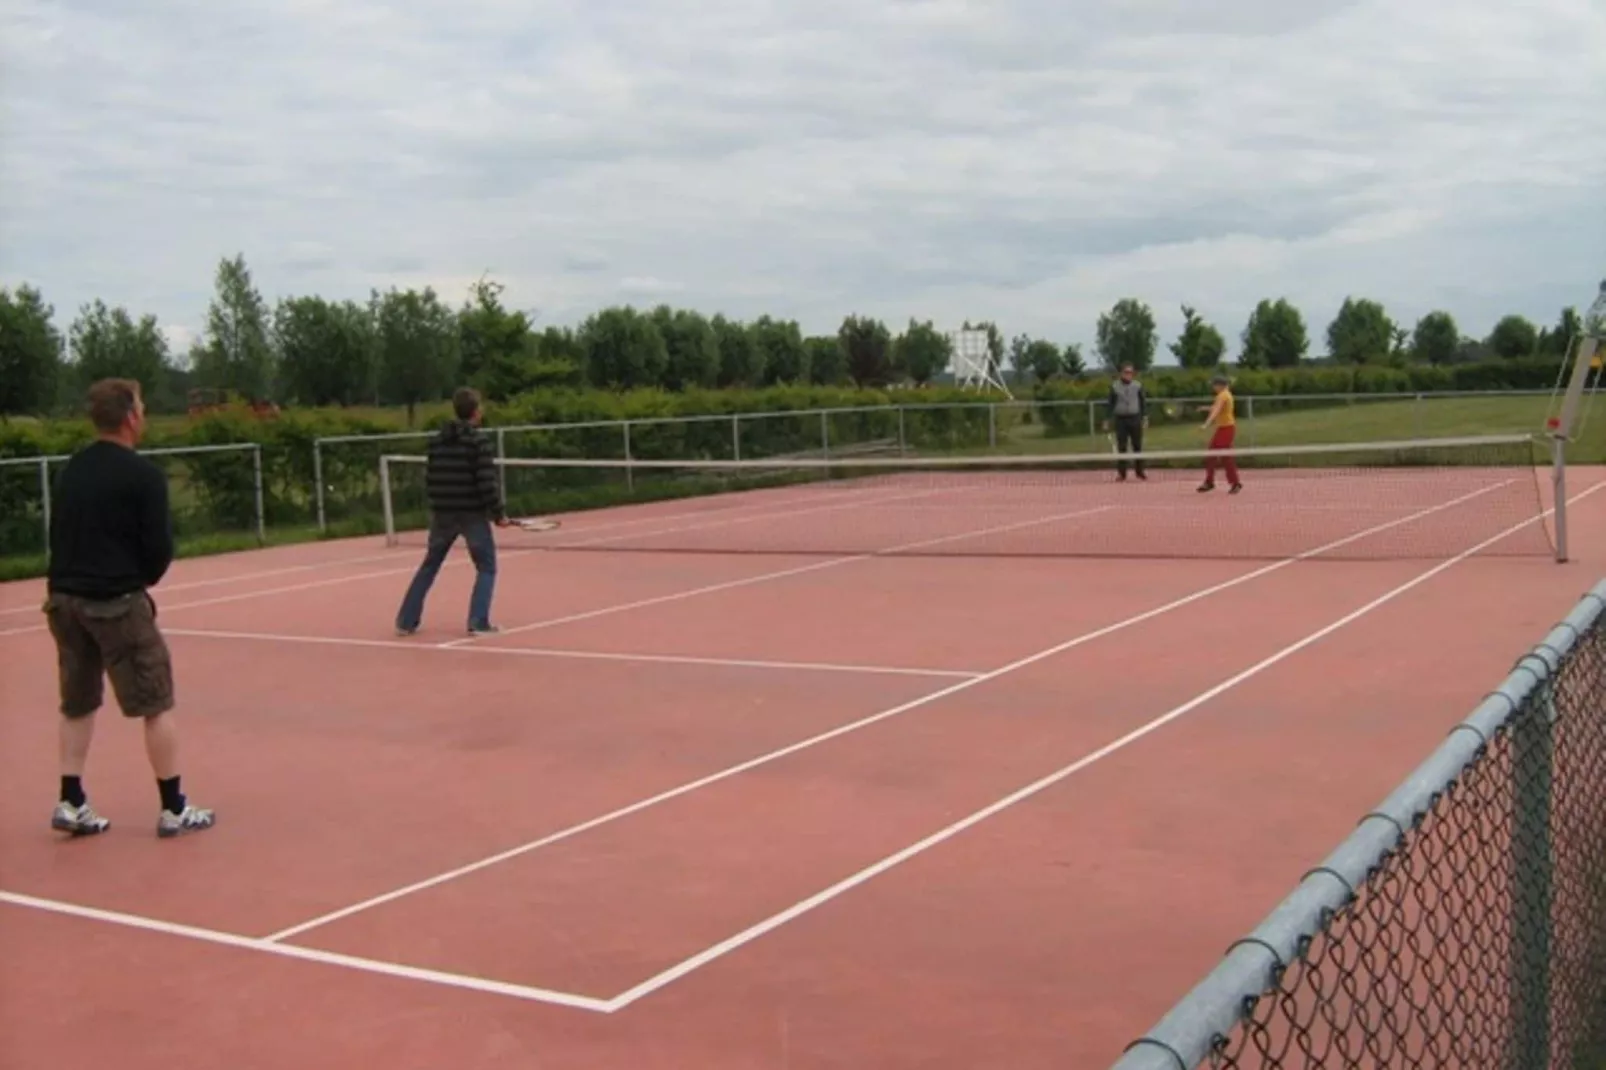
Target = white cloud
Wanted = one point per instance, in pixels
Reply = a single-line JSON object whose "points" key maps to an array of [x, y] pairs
{"points": [[1026, 161]]}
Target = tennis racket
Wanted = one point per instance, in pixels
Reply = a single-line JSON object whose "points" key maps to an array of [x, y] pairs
{"points": [[536, 523]]}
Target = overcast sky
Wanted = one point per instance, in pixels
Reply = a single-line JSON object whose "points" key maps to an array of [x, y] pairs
{"points": [[1028, 161]]}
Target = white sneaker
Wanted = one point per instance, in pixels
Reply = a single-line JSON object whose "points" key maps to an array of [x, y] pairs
{"points": [[78, 820], [192, 819]]}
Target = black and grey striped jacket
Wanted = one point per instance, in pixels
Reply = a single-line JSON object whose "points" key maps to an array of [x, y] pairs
{"points": [[461, 476]]}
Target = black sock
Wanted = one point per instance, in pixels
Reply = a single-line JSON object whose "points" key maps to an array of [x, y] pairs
{"points": [[72, 790], [172, 798]]}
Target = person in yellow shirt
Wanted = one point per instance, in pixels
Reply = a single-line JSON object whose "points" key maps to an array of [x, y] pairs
{"points": [[1225, 422]]}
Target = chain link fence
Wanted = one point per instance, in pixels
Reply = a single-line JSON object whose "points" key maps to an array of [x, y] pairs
{"points": [[1462, 924]]}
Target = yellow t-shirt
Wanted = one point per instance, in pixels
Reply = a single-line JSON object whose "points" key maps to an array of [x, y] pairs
{"points": [[1221, 412]]}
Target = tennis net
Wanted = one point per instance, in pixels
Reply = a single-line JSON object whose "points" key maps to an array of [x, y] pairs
{"points": [[1426, 498]]}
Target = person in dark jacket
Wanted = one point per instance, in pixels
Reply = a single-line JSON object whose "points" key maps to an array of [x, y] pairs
{"points": [[111, 541], [1129, 413], [465, 498]]}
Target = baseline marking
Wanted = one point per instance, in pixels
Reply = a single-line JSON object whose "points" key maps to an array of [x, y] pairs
{"points": [[765, 577], [328, 958], [775, 921], [835, 733], [593, 655]]}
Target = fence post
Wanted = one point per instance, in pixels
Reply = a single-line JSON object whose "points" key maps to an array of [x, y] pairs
{"points": [[317, 479], [1249, 413], [903, 433], [1092, 421], [256, 480], [825, 433], [44, 498], [736, 437], [630, 470], [1531, 862], [992, 426]]}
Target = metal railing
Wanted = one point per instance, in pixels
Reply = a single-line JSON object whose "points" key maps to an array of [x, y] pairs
{"points": [[1000, 415], [1462, 924], [44, 463]]}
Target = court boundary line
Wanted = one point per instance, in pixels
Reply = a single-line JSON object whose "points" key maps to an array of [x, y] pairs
{"points": [[309, 954], [758, 761], [274, 945], [581, 655], [759, 929]]}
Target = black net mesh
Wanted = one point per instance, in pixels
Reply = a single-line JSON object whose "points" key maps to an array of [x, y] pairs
{"points": [[1479, 939]]}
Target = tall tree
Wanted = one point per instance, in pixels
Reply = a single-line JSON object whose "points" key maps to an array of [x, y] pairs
{"points": [[328, 353], [1071, 360], [235, 352], [418, 346], [1127, 335], [828, 361], [1274, 337], [1361, 333], [107, 342], [498, 345], [1435, 338], [741, 361], [1200, 345], [1513, 337], [693, 347], [623, 349], [1044, 359], [922, 352], [782, 354], [868, 345], [1558, 341], [30, 352]]}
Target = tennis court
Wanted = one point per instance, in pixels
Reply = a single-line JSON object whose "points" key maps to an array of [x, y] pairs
{"points": [[925, 769]]}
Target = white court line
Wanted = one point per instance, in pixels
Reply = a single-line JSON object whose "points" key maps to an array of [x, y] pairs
{"points": [[753, 932], [584, 655], [765, 577], [307, 954], [843, 730], [504, 552]]}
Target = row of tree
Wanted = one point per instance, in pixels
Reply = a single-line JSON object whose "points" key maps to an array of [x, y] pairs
{"points": [[409, 346]]}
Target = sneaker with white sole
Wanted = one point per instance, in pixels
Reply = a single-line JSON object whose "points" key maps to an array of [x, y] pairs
{"points": [[193, 819], [78, 820]]}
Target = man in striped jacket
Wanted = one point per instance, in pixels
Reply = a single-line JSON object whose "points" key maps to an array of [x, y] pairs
{"points": [[1129, 413], [465, 498]]}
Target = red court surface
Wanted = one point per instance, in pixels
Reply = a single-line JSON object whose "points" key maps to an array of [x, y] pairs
{"points": [[721, 810]]}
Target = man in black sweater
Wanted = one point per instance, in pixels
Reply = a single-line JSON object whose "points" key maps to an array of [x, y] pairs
{"points": [[465, 496], [1129, 413], [111, 540]]}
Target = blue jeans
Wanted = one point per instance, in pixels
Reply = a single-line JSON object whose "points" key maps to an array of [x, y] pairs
{"points": [[443, 532]]}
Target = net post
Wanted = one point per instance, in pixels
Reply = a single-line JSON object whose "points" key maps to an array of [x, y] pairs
{"points": [[256, 488], [1558, 480], [44, 499], [385, 502], [317, 476], [1532, 887]]}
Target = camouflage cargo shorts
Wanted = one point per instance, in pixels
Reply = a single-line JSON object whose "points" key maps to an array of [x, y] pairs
{"points": [[116, 638]]}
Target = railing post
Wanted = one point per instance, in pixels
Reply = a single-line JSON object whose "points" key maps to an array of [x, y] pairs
{"points": [[317, 480], [256, 480], [630, 470], [501, 455], [385, 502], [44, 498]]}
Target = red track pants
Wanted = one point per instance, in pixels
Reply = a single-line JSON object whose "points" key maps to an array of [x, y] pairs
{"points": [[1222, 440]]}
